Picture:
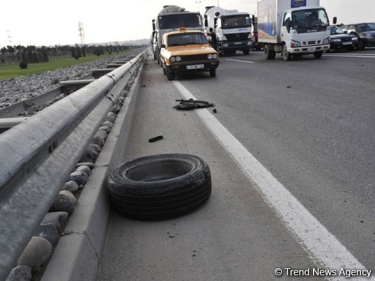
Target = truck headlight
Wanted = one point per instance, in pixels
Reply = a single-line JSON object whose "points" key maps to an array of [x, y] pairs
{"points": [[295, 44], [173, 59], [326, 41]]}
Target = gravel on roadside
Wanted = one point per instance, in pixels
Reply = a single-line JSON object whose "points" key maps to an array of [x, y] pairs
{"points": [[21, 88]]}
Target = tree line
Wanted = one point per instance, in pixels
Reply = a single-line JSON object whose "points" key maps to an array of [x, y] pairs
{"points": [[33, 54]]}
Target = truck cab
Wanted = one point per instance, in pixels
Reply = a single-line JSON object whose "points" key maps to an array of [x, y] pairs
{"points": [[230, 29], [305, 31]]}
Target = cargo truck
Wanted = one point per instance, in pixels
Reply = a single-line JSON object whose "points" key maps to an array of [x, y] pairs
{"points": [[293, 28], [172, 18], [230, 30]]}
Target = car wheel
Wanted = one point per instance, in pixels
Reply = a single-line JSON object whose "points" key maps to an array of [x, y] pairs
{"points": [[160, 186], [213, 72], [318, 55], [170, 75], [246, 52], [286, 54], [361, 45]]}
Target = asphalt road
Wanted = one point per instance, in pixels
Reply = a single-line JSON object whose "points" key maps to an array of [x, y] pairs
{"points": [[307, 203]]}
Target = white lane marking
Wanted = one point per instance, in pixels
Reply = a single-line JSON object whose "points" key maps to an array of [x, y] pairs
{"points": [[369, 56], [239, 60], [316, 240]]}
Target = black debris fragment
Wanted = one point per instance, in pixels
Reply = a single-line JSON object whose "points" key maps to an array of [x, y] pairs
{"points": [[155, 139], [192, 104], [214, 110]]}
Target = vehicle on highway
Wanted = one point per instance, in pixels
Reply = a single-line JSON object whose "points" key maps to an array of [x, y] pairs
{"points": [[364, 31], [340, 40], [230, 28], [185, 51], [171, 18], [293, 28]]}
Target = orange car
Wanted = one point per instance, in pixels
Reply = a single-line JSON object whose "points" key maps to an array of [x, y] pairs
{"points": [[187, 51]]}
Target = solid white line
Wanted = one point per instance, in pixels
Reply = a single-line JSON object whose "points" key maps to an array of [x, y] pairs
{"points": [[240, 61], [324, 249], [370, 56]]}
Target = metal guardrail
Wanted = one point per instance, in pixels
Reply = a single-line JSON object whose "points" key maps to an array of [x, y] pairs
{"points": [[38, 155]]}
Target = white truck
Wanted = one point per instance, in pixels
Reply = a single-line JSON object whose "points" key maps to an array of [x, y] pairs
{"points": [[230, 30], [171, 18], [293, 28]]}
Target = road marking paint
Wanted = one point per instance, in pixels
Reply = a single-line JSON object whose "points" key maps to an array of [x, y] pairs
{"points": [[240, 61], [323, 248], [369, 56]]}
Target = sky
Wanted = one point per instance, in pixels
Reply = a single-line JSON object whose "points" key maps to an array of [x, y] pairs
{"points": [[50, 23]]}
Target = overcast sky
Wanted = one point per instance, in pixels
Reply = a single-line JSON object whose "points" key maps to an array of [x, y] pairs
{"points": [[42, 22]]}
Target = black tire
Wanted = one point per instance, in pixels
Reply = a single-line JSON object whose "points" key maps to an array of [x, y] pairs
{"points": [[170, 75], [159, 187], [246, 52], [286, 55], [213, 72], [361, 45], [270, 54], [318, 55]]}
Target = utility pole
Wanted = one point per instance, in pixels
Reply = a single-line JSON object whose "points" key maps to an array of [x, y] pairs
{"points": [[81, 33]]}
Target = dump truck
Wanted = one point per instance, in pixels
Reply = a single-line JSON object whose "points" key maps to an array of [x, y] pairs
{"points": [[229, 30], [293, 28], [172, 18]]}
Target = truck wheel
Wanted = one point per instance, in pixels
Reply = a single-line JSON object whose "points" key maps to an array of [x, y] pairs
{"points": [[159, 187], [286, 54], [213, 72], [270, 54], [318, 55], [246, 52], [170, 75]]}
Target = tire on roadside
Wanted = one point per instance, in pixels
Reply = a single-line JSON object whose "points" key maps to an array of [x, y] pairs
{"points": [[160, 187]]}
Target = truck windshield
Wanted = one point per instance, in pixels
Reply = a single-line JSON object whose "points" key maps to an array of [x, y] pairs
{"points": [[186, 39], [311, 20], [235, 21], [173, 21]]}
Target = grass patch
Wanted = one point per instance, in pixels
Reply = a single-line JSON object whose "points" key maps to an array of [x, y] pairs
{"points": [[13, 70]]}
